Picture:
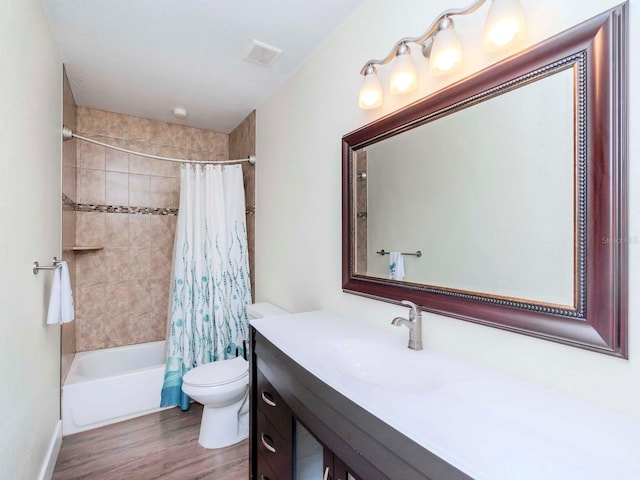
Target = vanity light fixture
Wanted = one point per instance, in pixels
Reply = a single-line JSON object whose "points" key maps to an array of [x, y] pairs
{"points": [[440, 44], [371, 89], [404, 76], [446, 49]]}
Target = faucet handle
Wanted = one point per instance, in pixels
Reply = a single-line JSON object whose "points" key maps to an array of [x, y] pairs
{"points": [[414, 308]]}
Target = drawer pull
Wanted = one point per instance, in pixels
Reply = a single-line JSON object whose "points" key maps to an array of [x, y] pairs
{"points": [[266, 398], [326, 474], [268, 443], [264, 477]]}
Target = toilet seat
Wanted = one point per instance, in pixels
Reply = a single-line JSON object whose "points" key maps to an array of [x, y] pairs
{"points": [[221, 372]]}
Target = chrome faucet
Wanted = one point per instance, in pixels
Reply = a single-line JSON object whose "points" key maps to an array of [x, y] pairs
{"points": [[414, 324]]}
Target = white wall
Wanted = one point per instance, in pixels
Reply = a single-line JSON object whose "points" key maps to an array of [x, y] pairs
{"points": [[298, 223], [30, 185]]}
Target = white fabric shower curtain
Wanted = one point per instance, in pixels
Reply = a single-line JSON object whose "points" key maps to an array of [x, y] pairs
{"points": [[211, 288]]}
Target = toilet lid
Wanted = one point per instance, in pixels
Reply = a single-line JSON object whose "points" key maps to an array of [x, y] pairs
{"points": [[217, 373]]}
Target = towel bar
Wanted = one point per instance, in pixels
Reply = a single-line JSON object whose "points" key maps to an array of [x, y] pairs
{"points": [[37, 267], [384, 252]]}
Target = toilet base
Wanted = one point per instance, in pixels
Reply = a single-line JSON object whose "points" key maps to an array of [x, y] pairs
{"points": [[221, 427]]}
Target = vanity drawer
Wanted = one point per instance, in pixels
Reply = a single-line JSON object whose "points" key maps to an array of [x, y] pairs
{"points": [[271, 404], [275, 448]]}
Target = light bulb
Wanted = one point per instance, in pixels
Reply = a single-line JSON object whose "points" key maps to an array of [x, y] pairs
{"points": [[446, 51], [504, 25], [404, 76], [370, 90]]}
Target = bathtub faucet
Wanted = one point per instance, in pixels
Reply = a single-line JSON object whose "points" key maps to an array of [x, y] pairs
{"points": [[414, 324]]}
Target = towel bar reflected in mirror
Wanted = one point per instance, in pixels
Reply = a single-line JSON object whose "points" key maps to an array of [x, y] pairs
{"points": [[384, 252]]}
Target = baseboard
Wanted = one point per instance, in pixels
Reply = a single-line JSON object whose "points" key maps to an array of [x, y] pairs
{"points": [[49, 463]]}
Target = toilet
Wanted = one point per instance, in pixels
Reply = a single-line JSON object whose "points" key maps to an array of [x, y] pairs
{"points": [[223, 388]]}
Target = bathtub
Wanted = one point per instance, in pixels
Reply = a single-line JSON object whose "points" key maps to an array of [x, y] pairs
{"points": [[111, 385]]}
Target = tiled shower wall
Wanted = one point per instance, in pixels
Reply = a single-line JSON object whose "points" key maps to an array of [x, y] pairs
{"points": [[68, 333], [123, 286], [242, 144]]}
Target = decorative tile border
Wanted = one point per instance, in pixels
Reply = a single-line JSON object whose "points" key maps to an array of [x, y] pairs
{"points": [[84, 207], [67, 203]]}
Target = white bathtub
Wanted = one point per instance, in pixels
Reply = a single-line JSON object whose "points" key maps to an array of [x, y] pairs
{"points": [[111, 385]]}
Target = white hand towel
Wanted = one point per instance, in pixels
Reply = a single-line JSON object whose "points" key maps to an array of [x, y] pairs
{"points": [[396, 266], [61, 299]]}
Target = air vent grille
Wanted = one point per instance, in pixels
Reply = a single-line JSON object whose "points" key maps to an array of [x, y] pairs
{"points": [[262, 54]]}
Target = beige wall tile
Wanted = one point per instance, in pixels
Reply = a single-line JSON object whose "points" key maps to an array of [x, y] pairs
{"points": [[139, 190], [91, 156], [69, 182], [117, 188], [157, 326], [137, 164], [68, 229], [116, 230], [116, 261], [139, 230], [161, 259], [116, 161], [150, 131], [116, 125], [165, 168], [117, 298], [90, 301], [90, 228], [139, 263], [160, 192], [159, 291], [162, 232], [90, 268], [208, 141], [178, 137], [175, 193], [70, 152], [139, 301], [90, 333], [90, 121], [91, 186]]}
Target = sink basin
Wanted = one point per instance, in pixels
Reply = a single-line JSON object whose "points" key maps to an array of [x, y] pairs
{"points": [[385, 365]]}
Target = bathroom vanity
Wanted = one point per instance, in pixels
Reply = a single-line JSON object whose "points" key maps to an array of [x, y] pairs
{"points": [[333, 398], [303, 429]]}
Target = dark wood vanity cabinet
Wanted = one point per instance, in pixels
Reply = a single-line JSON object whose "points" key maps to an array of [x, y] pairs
{"points": [[301, 428], [274, 433]]}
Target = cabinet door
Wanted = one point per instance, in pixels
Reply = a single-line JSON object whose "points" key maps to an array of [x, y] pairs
{"points": [[307, 455], [335, 469], [341, 471]]}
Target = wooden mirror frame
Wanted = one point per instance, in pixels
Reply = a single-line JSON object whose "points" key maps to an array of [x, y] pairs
{"points": [[599, 320]]}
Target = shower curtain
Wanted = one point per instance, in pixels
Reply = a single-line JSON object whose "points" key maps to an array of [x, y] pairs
{"points": [[210, 282]]}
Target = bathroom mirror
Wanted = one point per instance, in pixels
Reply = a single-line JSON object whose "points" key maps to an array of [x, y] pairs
{"points": [[505, 192]]}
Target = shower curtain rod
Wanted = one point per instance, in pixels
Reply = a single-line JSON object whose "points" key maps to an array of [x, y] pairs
{"points": [[67, 134]]}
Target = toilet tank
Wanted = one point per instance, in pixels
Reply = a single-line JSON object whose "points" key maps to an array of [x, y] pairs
{"points": [[264, 309]]}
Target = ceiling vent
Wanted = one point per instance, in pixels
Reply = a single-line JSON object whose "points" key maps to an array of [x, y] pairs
{"points": [[262, 54]]}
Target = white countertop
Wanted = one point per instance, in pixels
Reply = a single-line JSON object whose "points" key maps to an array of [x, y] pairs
{"points": [[485, 423]]}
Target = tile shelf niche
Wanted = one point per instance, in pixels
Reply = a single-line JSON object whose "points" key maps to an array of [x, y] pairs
{"points": [[85, 248]]}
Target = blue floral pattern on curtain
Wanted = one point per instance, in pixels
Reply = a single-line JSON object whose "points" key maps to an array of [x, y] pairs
{"points": [[211, 287]]}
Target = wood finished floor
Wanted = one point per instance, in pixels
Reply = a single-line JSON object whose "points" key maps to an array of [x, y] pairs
{"points": [[162, 445]]}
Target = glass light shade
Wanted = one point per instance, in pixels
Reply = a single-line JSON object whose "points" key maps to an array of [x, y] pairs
{"points": [[446, 52], [504, 25], [370, 91], [404, 76]]}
